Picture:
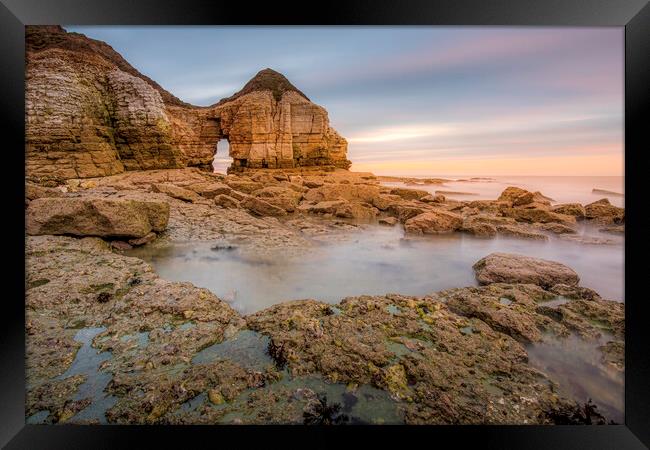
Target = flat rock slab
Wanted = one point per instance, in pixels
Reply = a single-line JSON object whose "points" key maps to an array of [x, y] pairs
{"points": [[432, 222], [96, 217], [512, 268]]}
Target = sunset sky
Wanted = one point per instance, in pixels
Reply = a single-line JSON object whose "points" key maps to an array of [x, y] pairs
{"points": [[418, 100]]}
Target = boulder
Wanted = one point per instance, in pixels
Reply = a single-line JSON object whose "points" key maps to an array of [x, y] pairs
{"points": [[384, 201], [516, 196], [338, 208], [226, 201], [177, 192], [406, 210], [261, 207], [410, 194], [263, 177], [387, 221], [341, 208], [281, 197], [521, 231], [243, 185], [557, 228], [210, 189], [336, 191], [96, 217], [480, 229], [363, 211], [433, 222], [513, 268], [537, 215], [570, 209], [602, 211], [143, 240], [492, 220], [489, 206], [34, 191], [438, 198], [311, 184]]}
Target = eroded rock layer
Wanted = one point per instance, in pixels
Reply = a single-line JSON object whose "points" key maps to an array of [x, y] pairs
{"points": [[89, 113]]}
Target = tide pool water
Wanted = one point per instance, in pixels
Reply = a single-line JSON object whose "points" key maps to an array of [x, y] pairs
{"points": [[377, 260]]}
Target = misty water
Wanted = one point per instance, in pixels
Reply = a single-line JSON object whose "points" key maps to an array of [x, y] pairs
{"points": [[376, 260], [575, 365], [561, 189]]}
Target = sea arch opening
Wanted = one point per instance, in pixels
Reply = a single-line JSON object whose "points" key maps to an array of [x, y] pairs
{"points": [[222, 159]]}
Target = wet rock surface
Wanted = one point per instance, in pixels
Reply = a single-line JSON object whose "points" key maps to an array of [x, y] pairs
{"points": [[96, 217], [174, 353], [109, 341], [511, 268]]}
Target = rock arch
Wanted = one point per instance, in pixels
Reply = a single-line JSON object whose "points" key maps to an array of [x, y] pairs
{"points": [[104, 117]]}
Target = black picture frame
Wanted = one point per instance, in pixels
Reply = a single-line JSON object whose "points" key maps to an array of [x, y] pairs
{"points": [[634, 15]]}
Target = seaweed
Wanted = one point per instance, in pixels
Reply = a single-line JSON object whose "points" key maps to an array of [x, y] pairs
{"points": [[320, 412]]}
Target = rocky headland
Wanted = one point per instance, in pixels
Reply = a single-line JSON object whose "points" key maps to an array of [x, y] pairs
{"points": [[116, 162], [90, 113]]}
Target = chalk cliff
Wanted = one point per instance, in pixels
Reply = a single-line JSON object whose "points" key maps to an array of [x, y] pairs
{"points": [[90, 113]]}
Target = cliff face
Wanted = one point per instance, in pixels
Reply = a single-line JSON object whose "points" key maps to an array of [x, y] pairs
{"points": [[89, 113], [276, 126]]}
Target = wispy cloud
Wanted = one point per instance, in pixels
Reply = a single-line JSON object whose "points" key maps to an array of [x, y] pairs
{"points": [[484, 98]]}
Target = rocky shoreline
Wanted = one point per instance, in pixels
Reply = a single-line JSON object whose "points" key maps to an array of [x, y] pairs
{"points": [[115, 163], [175, 353]]}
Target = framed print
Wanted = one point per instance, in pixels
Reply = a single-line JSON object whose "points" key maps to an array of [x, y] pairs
{"points": [[379, 221]]}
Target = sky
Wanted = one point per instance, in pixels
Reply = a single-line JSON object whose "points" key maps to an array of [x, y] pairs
{"points": [[418, 100]]}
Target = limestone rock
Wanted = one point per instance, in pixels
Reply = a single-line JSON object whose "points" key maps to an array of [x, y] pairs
{"points": [[602, 211], [281, 197], [96, 217], [243, 184], [570, 209], [226, 201], [143, 240], [176, 192], [261, 207], [480, 229], [384, 201], [513, 268], [516, 196], [556, 228], [521, 231], [359, 192], [489, 206], [405, 210], [270, 123], [387, 221], [89, 113], [312, 183], [536, 215], [438, 198], [427, 366], [339, 208], [432, 222], [210, 190], [34, 191], [410, 194]]}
